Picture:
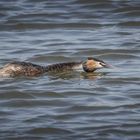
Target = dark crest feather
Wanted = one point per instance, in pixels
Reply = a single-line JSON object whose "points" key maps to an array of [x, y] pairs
{"points": [[92, 58]]}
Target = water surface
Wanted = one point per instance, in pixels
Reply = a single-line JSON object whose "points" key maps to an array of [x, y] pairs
{"points": [[102, 105]]}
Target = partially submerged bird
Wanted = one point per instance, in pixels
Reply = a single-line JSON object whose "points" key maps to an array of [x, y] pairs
{"points": [[17, 68]]}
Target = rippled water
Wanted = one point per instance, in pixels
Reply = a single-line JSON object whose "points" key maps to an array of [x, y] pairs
{"points": [[103, 105]]}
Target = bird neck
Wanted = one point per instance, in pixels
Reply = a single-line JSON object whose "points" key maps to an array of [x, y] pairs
{"points": [[63, 66]]}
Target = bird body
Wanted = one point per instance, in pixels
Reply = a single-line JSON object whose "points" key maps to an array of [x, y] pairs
{"points": [[17, 68]]}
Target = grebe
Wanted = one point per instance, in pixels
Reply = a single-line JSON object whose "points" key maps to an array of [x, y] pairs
{"points": [[17, 68]]}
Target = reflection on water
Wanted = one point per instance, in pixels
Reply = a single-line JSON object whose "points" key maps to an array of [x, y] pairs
{"points": [[93, 76], [71, 105], [76, 75]]}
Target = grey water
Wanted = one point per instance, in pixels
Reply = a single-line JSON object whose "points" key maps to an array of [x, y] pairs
{"points": [[74, 105]]}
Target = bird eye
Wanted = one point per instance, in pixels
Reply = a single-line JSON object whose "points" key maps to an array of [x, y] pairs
{"points": [[100, 63]]}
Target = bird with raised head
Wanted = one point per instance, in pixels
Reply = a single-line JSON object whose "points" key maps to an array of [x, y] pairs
{"points": [[18, 68]]}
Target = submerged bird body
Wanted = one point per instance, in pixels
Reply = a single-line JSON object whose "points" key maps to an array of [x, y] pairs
{"points": [[17, 68], [21, 69], [29, 69]]}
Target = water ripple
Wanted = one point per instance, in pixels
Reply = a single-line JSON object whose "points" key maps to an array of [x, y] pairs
{"points": [[71, 105]]}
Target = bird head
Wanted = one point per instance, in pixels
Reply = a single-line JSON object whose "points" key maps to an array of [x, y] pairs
{"points": [[92, 64]]}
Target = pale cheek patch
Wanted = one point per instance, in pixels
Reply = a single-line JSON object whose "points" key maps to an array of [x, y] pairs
{"points": [[99, 65]]}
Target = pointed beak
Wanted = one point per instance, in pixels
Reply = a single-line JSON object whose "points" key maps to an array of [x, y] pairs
{"points": [[105, 65]]}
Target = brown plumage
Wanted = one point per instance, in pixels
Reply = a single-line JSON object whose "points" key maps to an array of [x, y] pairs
{"points": [[29, 69], [21, 69], [62, 66]]}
